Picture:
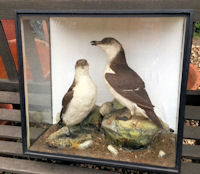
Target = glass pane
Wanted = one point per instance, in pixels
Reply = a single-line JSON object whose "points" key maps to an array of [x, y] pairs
{"points": [[37, 81], [114, 82]]}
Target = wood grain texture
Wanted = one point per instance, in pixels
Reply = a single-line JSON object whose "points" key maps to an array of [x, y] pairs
{"points": [[14, 132], [36, 100], [8, 85], [190, 168], [11, 148], [6, 56], [7, 7], [33, 87], [9, 97], [193, 92], [192, 152], [192, 112], [191, 132], [10, 115], [35, 167], [11, 132]]}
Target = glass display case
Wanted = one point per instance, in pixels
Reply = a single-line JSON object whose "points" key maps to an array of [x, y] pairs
{"points": [[104, 87]]}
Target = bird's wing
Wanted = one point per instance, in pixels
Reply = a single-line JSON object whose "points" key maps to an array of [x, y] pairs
{"points": [[128, 75], [67, 98], [128, 84]]}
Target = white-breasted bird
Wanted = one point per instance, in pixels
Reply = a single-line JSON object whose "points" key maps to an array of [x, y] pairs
{"points": [[125, 84], [80, 97]]}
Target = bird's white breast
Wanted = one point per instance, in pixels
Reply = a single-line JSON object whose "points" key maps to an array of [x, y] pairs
{"points": [[133, 107], [84, 98]]}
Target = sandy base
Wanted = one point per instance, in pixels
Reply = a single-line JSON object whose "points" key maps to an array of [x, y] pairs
{"points": [[149, 156]]}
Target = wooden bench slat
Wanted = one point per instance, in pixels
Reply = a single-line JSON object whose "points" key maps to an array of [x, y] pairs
{"points": [[9, 97], [192, 112], [35, 100], [30, 167], [193, 92], [191, 132], [190, 168], [15, 115], [191, 151], [11, 148], [34, 87], [8, 85], [10, 115], [13, 132]]}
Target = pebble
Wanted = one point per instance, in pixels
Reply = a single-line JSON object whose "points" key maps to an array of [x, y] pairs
{"points": [[161, 154], [109, 122], [63, 131], [112, 150], [106, 108], [85, 145], [59, 143]]}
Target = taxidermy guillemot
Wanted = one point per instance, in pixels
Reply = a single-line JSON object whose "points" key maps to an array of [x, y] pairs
{"points": [[124, 83], [81, 96]]}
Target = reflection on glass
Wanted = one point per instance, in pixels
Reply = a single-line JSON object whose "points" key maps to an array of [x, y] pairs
{"points": [[110, 89], [36, 57]]}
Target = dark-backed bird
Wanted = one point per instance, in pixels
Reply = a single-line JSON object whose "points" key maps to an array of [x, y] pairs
{"points": [[125, 84], [80, 97]]}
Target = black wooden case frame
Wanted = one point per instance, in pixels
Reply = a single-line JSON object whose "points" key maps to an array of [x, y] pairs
{"points": [[187, 44]]}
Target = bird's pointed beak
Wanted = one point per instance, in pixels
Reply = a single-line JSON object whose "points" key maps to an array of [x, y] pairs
{"points": [[95, 43]]}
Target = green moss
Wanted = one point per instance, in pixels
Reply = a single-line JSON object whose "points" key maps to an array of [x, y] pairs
{"points": [[117, 105], [134, 134]]}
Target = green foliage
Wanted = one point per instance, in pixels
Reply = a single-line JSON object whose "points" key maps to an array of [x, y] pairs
{"points": [[197, 29]]}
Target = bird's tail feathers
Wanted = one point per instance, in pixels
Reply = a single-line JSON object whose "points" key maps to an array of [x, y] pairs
{"points": [[151, 114]]}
